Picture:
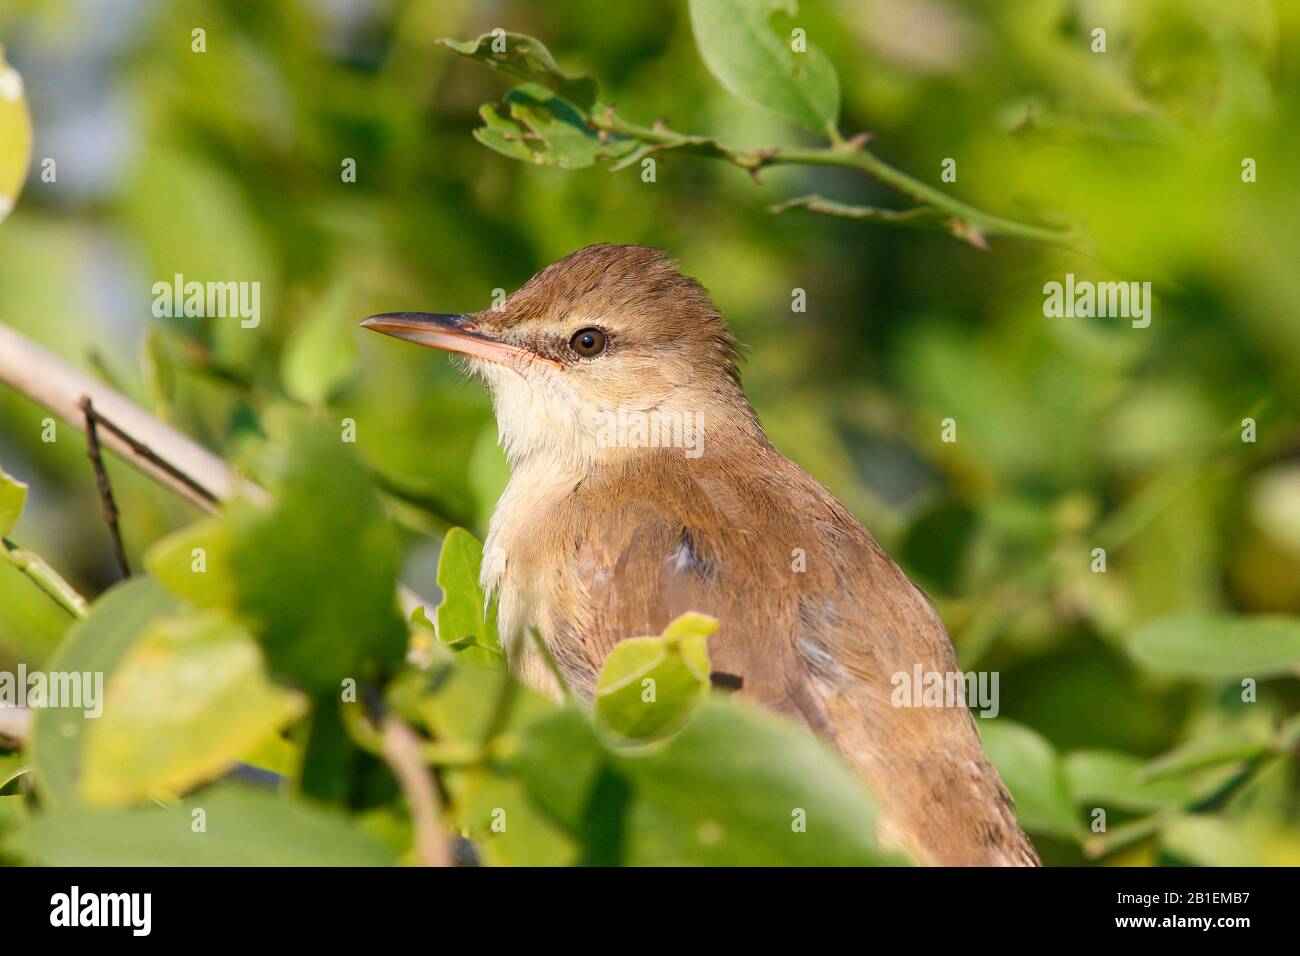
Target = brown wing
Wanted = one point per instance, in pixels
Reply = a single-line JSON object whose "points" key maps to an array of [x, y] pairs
{"points": [[815, 619]]}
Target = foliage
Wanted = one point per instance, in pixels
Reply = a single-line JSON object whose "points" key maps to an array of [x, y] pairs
{"points": [[15, 135], [639, 669], [1161, 690], [555, 120], [759, 67]]}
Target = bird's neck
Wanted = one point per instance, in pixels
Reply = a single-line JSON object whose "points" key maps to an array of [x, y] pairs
{"points": [[549, 431]]}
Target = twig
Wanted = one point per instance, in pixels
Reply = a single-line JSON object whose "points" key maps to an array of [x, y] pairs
{"points": [[402, 751], [102, 483], [831, 207], [145, 443], [147, 454], [849, 154], [44, 577], [1140, 829]]}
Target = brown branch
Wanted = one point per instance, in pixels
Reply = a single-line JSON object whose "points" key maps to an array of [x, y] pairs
{"points": [[101, 482], [145, 443], [402, 750], [129, 430], [147, 454]]}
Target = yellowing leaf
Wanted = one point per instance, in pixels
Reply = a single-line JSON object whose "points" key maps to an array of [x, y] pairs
{"points": [[15, 136], [194, 563], [96, 645], [12, 495], [188, 699]]}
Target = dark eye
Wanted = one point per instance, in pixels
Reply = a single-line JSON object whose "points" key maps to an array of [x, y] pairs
{"points": [[588, 342]]}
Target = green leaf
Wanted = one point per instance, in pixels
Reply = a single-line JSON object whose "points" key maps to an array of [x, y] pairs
{"points": [[13, 493], [15, 136], [731, 788], [534, 125], [13, 813], [567, 738], [736, 787], [237, 827], [1218, 646], [458, 699], [755, 64], [507, 826], [12, 766], [1207, 752], [526, 58], [187, 700], [194, 563], [316, 571], [93, 646], [321, 353], [1112, 779], [1035, 775], [649, 685], [1202, 840], [465, 618]]}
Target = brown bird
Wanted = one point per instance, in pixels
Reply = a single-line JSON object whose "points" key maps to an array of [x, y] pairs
{"points": [[642, 486]]}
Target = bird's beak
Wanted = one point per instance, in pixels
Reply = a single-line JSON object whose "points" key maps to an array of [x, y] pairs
{"points": [[451, 333]]}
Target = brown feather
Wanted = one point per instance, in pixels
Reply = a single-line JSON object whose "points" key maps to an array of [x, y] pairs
{"points": [[602, 544]]}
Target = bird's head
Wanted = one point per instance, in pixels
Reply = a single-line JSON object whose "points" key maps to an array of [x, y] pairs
{"points": [[610, 337]]}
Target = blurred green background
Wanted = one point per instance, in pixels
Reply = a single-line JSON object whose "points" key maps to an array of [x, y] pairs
{"points": [[1073, 434]]}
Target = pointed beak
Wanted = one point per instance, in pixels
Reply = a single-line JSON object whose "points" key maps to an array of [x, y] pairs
{"points": [[451, 333]]}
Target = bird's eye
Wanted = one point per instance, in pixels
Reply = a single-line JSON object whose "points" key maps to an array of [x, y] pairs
{"points": [[588, 342]]}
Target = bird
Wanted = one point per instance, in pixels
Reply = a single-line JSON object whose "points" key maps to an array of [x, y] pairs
{"points": [[643, 486]]}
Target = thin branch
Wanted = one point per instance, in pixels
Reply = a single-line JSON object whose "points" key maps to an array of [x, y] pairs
{"points": [[402, 750], [148, 454], [105, 489], [831, 207], [1144, 827], [44, 577], [150, 446], [144, 442], [849, 154]]}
